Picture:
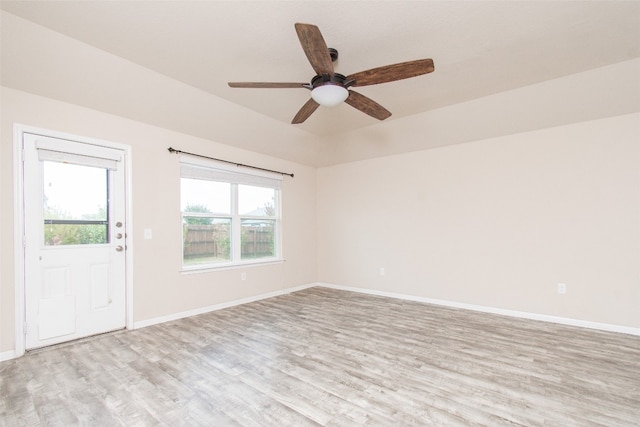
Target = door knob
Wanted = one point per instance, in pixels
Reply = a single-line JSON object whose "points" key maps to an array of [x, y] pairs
{"points": [[119, 248]]}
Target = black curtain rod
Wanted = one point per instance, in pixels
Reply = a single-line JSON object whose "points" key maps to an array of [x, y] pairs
{"points": [[173, 150]]}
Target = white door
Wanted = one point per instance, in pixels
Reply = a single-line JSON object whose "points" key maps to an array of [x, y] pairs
{"points": [[74, 205]]}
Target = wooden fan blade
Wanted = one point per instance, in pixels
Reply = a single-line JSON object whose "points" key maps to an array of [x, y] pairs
{"points": [[267, 85], [315, 48], [307, 109], [390, 73], [367, 105]]}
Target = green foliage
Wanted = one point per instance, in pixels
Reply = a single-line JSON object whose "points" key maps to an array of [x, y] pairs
{"points": [[223, 241], [74, 234], [197, 220], [269, 209]]}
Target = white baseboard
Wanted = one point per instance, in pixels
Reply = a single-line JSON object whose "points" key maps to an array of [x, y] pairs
{"points": [[207, 309], [7, 355], [493, 310]]}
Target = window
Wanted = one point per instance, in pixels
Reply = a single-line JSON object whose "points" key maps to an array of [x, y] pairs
{"points": [[75, 191], [228, 218], [75, 204]]}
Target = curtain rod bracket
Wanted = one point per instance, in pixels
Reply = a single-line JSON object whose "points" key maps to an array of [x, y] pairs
{"points": [[173, 150]]}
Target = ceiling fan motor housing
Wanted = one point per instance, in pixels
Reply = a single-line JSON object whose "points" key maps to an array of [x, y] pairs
{"points": [[326, 79]]}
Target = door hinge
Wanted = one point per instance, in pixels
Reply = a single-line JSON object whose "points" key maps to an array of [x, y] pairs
{"points": [[25, 328]]}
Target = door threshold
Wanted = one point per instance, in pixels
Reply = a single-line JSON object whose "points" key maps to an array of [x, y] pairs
{"points": [[36, 350]]}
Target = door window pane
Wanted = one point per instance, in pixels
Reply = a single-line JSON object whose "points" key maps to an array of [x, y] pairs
{"points": [[206, 240], [75, 204]]}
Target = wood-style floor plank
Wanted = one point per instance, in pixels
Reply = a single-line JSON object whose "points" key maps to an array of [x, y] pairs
{"points": [[323, 357]]}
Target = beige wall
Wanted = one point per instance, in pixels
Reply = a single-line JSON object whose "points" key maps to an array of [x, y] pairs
{"points": [[613, 90], [495, 223], [159, 288]]}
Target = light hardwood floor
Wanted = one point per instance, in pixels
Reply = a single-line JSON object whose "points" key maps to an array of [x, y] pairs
{"points": [[334, 358]]}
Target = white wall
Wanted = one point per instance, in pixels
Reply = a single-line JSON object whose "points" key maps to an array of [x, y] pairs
{"points": [[495, 223], [159, 288]]}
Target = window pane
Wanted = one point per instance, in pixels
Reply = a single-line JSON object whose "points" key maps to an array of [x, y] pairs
{"points": [[258, 237], [256, 201], [74, 198], [75, 234], [206, 240], [199, 195]]}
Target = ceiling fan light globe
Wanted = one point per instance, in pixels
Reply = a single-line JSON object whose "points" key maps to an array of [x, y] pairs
{"points": [[329, 95]]}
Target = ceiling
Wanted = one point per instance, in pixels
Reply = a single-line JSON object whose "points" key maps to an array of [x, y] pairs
{"points": [[479, 47]]}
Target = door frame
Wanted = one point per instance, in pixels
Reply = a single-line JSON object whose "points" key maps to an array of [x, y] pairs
{"points": [[19, 224]]}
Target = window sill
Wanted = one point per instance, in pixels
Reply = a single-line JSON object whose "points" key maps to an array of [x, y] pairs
{"points": [[234, 266]]}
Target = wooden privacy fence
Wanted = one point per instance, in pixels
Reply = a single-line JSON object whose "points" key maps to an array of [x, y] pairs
{"points": [[212, 240], [206, 240], [257, 242]]}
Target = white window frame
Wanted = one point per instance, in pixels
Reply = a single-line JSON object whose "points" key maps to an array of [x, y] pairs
{"points": [[211, 170]]}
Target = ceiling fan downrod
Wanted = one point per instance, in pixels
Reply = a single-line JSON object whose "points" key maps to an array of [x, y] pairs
{"points": [[333, 53]]}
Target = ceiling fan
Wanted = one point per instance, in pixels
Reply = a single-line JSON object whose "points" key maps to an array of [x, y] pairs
{"points": [[329, 88]]}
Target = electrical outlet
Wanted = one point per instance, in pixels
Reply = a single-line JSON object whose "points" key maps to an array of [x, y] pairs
{"points": [[243, 276], [562, 288], [381, 271]]}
